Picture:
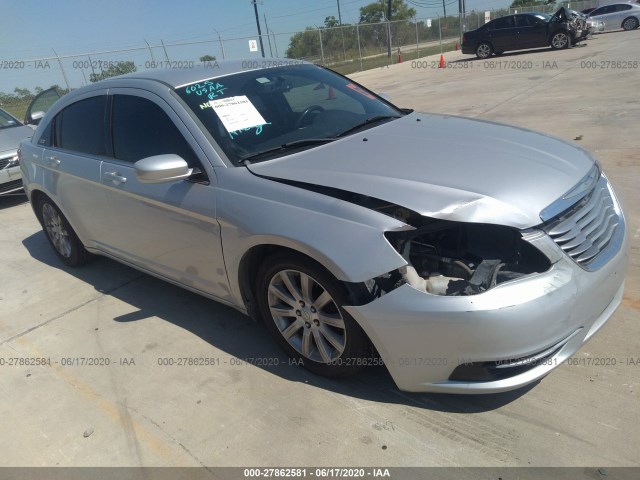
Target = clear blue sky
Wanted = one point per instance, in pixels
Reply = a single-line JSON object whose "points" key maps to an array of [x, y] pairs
{"points": [[32, 28]]}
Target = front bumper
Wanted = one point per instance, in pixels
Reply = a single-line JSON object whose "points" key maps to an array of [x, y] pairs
{"points": [[10, 180], [423, 338]]}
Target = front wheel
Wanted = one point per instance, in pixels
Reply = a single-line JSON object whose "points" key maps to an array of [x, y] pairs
{"points": [[560, 40], [484, 51], [301, 305], [61, 236], [630, 23]]}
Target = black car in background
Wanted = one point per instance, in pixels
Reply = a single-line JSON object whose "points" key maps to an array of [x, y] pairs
{"points": [[526, 30]]}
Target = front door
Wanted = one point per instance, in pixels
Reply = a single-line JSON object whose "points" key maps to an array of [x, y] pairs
{"points": [[166, 228]]}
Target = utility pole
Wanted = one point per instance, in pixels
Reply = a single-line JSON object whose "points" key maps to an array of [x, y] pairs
{"points": [[255, 8], [339, 14], [460, 19], [266, 27], [221, 43], [389, 28]]}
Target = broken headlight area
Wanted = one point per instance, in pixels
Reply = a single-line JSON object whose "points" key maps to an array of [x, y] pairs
{"points": [[452, 258]]}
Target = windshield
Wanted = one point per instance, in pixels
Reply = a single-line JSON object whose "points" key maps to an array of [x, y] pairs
{"points": [[7, 121], [272, 111]]}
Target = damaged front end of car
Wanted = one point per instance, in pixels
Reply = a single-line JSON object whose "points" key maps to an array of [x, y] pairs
{"points": [[576, 23], [457, 259]]}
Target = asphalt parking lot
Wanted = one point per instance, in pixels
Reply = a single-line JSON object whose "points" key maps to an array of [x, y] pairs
{"points": [[108, 395]]}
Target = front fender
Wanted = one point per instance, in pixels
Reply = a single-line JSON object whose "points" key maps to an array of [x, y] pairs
{"points": [[347, 239]]}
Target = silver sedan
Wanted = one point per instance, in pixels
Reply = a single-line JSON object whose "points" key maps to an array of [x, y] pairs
{"points": [[614, 17], [464, 255]]}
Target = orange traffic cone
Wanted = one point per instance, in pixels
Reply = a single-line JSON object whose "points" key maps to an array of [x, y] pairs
{"points": [[442, 64], [331, 94], [457, 47], [399, 58]]}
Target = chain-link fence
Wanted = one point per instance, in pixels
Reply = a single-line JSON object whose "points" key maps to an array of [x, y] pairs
{"points": [[346, 49]]}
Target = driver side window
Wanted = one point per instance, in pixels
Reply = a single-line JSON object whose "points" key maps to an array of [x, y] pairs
{"points": [[142, 129]]}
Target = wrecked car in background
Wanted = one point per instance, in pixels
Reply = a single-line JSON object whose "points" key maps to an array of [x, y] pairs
{"points": [[526, 30], [358, 232]]}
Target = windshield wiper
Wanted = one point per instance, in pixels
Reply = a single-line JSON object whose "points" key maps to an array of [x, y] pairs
{"points": [[289, 145], [375, 119]]}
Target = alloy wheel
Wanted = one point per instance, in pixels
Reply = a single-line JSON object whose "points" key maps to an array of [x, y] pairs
{"points": [[484, 50], [56, 230], [307, 316], [559, 40]]}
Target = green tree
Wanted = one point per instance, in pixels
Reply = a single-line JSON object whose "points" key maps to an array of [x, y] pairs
{"points": [[208, 58], [377, 11], [119, 68], [528, 3]]}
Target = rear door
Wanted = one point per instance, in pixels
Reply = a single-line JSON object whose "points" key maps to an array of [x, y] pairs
{"points": [[166, 228], [504, 35], [74, 147], [532, 32]]}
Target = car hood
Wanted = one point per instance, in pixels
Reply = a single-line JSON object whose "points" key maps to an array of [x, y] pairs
{"points": [[444, 167], [10, 138]]}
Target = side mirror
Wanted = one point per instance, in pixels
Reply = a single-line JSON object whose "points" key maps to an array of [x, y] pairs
{"points": [[36, 117], [162, 169]]}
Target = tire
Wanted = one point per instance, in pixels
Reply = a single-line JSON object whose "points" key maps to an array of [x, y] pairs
{"points": [[301, 305], [484, 50], [560, 40], [630, 23], [61, 236]]}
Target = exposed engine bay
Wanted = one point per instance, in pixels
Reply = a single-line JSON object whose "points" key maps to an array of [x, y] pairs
{"points": [[453, 258]]}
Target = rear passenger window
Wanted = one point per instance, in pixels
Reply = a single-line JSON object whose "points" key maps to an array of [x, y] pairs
{"points": [[80, 126], [142, 129], [504, 22]]}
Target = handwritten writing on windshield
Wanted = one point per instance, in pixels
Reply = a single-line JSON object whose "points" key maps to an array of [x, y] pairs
{"points": [[258, 130], [210, 89]]}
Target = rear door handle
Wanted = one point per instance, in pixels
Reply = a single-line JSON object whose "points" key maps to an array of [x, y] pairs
{"points": [[115, 177]]}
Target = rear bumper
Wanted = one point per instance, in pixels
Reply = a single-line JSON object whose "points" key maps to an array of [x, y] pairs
{"points": [[424, 338], [467, 49]]}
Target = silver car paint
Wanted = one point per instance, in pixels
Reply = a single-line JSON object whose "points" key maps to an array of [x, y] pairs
{"points": [[439, 173], [10, 139], [240, 210], [512, 320], [613, 21]]}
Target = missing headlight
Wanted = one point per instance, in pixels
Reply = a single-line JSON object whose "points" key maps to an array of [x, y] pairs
{"points": [[452, 258]]}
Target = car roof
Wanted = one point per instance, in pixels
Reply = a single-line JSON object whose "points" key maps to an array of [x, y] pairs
{"points": [[177, 77]]}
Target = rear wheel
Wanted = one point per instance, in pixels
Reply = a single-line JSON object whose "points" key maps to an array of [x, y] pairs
{"points": [[484, 50], [560, 40], [630, 23], [61, 236], [301, 305]]}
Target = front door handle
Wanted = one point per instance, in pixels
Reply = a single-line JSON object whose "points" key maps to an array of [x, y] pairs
{"points": [[53, 160], [115, 177]]}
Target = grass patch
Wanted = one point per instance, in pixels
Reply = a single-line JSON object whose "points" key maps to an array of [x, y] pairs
{"points": [[354, 65]]}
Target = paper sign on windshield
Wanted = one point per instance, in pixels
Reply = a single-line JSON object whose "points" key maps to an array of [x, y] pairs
{"points": [[237, 113]]}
